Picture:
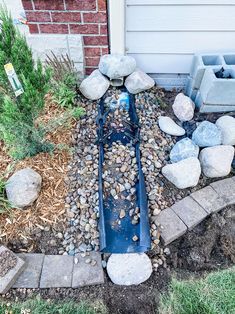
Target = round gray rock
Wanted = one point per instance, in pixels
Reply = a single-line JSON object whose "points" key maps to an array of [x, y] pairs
{"points": [[169, 126], [183, 149], [207, 134], [216, 161], [138, 82], [23, 187], [183, 174], [94, 86], [183, 107], [227, 126], [129, 269], [115, 65]]}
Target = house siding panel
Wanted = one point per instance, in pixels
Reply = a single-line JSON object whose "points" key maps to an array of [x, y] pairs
{"points": [[164, 35]]}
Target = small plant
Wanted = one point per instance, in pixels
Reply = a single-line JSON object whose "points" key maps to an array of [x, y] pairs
{"points": [[4, 204], [64, 80]]}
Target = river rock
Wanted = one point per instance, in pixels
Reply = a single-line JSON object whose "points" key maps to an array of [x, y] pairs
{"points": [[183, 107], [217, 161], [207, 134], [169, 126], [116, 65], [94, 86], [227, 126], [129, 269], [184, 149], [23, 187], [138, 81], [183, 174]]}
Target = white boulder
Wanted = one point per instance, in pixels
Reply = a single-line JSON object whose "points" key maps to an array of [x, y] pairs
{"points": [[169, 126], [183, 107], [138, 81], [129, 269], [216, 161], [23, 187], [94, 86], [183, 174], [116, 65], [227, 126]]}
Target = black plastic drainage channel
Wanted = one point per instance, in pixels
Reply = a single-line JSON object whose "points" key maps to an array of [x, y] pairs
{"points": [[117, 238]]}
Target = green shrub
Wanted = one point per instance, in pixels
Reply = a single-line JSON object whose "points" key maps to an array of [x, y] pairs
{"points": [[214, 294]]}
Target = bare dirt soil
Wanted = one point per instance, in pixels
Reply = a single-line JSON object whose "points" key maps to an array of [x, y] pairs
{"points": [[210, 246]]}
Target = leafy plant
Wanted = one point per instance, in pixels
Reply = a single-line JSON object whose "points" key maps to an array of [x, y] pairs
{"points": [[64, 80], [4, 204]]}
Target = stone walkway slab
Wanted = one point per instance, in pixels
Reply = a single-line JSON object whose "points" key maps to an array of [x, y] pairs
{"points": [[209, 199], [189, 211], [226, 189], [9, 279], [57, 271], [84, 273], [172, 225], [30, 277]]}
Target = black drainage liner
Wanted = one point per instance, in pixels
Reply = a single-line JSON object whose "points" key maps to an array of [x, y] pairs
{"points": [[118, 238]]}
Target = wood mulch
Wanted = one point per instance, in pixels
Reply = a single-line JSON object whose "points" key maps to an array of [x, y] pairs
{"points": [[49, 209]]}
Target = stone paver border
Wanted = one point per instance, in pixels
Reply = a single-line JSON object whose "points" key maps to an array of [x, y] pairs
{"points": [[190, 211], [47, 271]]}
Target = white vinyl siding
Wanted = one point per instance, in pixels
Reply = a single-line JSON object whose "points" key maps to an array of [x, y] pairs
{"points": [[164, 35]]}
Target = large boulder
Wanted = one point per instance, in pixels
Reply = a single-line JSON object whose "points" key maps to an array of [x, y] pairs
{"points": [[216, 161], [138, 81], [184, 149], [129, 269], [183, 107], [23, 187], [115, 65], [183, 174], [207, 134], [94, 86], [169, 126], [227, 126]]}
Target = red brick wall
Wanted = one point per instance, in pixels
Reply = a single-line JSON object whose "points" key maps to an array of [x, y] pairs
{"points": [[85, 17]]}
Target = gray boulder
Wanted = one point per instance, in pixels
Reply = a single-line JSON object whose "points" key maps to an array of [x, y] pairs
{"points": [[184, 149], [227, 126], [183, 174], [115, 65], [129, 269], [183, 107], [138, 81], [23, 187], [169, 126], [207, 134], [216, 161], [94, 86]]}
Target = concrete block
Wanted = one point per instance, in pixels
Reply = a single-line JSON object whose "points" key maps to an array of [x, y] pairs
{"points": [[7, 281], [226, 190], [191, 91], [189, 211], [57, 271], [84, 273], [201, 62], [172, 225], [204, 107], [209, 199], [30, 277], [44, 44], [218, 91], [229, 59]]}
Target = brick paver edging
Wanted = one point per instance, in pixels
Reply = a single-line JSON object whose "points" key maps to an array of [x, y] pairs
{"points": [[190, 211], [54, 271]]}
